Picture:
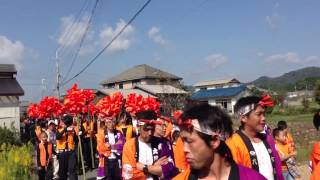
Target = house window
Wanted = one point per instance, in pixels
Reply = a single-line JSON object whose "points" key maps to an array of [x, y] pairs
{"points": [[111, 85], [136, 82], [219, 86], [121, 86], [225, 104], [163, 81]]}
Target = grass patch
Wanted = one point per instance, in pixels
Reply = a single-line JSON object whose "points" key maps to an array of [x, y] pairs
{"points": [[303, 118]]}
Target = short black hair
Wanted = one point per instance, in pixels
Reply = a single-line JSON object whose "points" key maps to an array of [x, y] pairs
{"points": [[43, 123], [146, 115], [175, 135], [214, 118], [68, 120], [244, 101], [128, 120], [282, 125], [276, 132]]}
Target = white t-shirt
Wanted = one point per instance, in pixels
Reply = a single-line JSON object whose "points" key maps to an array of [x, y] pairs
{"points": [[145, 155], [264, 161], [112, 141]]}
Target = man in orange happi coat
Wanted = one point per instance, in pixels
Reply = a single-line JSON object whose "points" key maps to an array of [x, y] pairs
{"points": [[147, 157], [252, 146], [315, 153], [203, 130], [109, 146]]}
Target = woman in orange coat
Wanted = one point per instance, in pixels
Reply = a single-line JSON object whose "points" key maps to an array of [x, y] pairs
{"points": [[125, 126]]}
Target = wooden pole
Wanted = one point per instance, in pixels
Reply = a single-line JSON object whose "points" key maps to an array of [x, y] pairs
{"points": [[80, 147], [91, 134]]}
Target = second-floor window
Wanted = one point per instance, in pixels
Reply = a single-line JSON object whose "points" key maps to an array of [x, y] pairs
{"points": [[136, 82]]}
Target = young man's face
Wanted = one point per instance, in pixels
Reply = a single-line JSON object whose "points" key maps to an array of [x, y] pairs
{"points": [[281, 137], [146, 132], [160, 130], [110, 125], [44, 138], [52, 127], [256, 119], [197, 152], [122, 120]]}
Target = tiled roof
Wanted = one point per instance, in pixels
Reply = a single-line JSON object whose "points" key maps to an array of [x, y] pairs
{"points": [[141, 72], [218, 93]]}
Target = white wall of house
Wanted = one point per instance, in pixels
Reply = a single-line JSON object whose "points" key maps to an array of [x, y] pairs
{"points": [[9, 111], [230, 101], [216, 86]]}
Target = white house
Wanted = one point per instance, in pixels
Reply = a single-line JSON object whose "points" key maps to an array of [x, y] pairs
{"points": [[223, 93], [10, 90], [145, 80]]}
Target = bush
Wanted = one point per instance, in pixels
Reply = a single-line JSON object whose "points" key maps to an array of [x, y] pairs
{"points": [[15, 162], [9, 136]]}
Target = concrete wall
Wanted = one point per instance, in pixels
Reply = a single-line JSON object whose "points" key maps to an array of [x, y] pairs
{"points": [[10, 111]]}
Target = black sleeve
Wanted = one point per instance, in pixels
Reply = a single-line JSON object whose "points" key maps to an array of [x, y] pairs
{"points": [[60, 134]]}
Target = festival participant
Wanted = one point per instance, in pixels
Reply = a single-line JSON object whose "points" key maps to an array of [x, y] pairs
{"points": [[315, 154], [316, 120], [249, 146], [109, 145], [125, 126], [283, 125], [44, 158], [103, 149], [160, 128], [286, 154], [147, 157], [204, 129], [87, 133], [40, 127], [66, 136], [51, 132], [179, 156], [168, 128]]}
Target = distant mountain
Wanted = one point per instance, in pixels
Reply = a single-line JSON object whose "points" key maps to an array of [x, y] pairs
{"points": [[300, 79]]}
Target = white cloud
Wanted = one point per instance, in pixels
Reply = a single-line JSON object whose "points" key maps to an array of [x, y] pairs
{"points": [[11, 52], [273, 20], [154, 34], [311, 59], [216, 60], [72, 30], [292, 58], [123, 42]]}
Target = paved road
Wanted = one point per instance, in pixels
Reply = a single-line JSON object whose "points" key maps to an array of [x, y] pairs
{"points": [[90, 175]]}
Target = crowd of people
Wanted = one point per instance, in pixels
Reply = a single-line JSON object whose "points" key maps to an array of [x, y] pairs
{"points": [[200, 142]]}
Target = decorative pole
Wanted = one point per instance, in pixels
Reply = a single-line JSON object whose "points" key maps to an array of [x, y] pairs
{"points": [[91, 134], [80, 149]]}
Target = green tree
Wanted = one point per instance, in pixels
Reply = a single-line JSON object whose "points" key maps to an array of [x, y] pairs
{"points": [[280, 97], [317, 92], [305, 103]]}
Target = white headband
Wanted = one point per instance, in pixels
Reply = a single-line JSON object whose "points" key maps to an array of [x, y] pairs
{"points": [[206, 130], [246, 109]]}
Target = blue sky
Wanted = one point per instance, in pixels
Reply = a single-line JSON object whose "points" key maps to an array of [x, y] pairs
{"points": [[194, 39]]}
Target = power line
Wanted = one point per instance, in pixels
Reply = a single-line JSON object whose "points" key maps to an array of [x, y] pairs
{"points": [[64, 48], [67, 32], [82, 40], [108, 45]]}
